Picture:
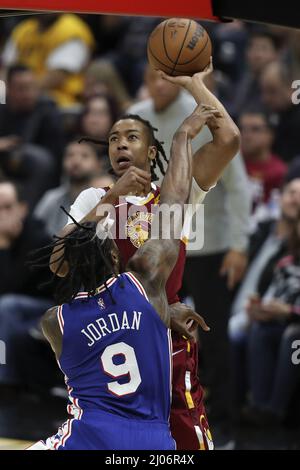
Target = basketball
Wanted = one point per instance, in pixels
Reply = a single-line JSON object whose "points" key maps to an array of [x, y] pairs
{"points": [[179, 46]]}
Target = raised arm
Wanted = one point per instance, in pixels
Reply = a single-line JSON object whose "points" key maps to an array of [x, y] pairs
{"points": [[211, 159], [156, 258]]}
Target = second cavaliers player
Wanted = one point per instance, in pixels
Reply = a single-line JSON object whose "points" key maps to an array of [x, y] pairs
{"points": [[134, 154]]}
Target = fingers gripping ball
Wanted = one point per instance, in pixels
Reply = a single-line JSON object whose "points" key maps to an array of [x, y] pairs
{"points": [[179, 46]]}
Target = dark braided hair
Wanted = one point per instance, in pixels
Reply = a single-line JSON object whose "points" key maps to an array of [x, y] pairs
{"points": [[89, 261], [160, 155]]}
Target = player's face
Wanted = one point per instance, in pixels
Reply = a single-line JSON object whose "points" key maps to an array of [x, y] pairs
{"points": [[129, 145], [290, 200]]}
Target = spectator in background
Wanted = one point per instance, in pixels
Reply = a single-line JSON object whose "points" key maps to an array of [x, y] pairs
{"points": [[21, 303], [267, 245], [108, 31], [262, 49], [212, 271], [81, 163], [101, 77], [98, 116], [28, 113], [293, 170], [57, 47], [229, 44], [31, 138], [219, 84], [275, 318], [130, 57], [291, 55], [276, 84], [266, 170]]}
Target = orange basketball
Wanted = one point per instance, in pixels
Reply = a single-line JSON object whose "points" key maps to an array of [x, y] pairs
{"points": [[179, 47]]}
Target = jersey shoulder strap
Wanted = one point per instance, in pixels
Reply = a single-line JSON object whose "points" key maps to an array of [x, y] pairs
{"points": [[137, 283]]}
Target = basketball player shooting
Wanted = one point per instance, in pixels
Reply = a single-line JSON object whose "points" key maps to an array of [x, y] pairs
{"points": [[135, 154], [112, 342]]}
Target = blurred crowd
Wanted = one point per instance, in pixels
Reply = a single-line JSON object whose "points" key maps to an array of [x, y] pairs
{"points": [[69, 76]]}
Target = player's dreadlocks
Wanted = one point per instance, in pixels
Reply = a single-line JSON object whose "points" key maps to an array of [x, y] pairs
{"points": [[160, 155], [89, 261]]}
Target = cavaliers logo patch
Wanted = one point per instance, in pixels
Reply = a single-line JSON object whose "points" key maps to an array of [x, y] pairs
{"points": [[137, 227]]}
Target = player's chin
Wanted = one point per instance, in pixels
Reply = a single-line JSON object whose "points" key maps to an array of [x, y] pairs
{"points": [[119, 172], [121, 168]]}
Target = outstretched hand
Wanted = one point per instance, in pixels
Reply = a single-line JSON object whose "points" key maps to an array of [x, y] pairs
{"points": [[186, 81], [185, 321]]}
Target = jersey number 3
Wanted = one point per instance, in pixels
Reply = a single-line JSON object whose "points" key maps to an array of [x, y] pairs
{"points": [[128, 367]]}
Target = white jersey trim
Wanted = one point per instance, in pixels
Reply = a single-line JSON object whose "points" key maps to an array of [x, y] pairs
{"points": [[65, 430], [138, 284], [102, 288], [60, 319]]}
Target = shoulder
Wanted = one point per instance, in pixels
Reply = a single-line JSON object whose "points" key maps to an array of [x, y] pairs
{"points": [[49, 321], [91, 194], [52, 196], [52, 329], [85, 202], [154, 293]]}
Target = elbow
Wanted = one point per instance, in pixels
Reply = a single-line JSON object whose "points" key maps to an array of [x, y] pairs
{"points": [[236, 138], [232, 141]]}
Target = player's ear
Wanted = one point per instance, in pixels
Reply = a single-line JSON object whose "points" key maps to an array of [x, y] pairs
{"points": [[152, 152]]}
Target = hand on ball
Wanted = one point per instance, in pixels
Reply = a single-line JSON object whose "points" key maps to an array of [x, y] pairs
{"points": [[186, 81]]}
